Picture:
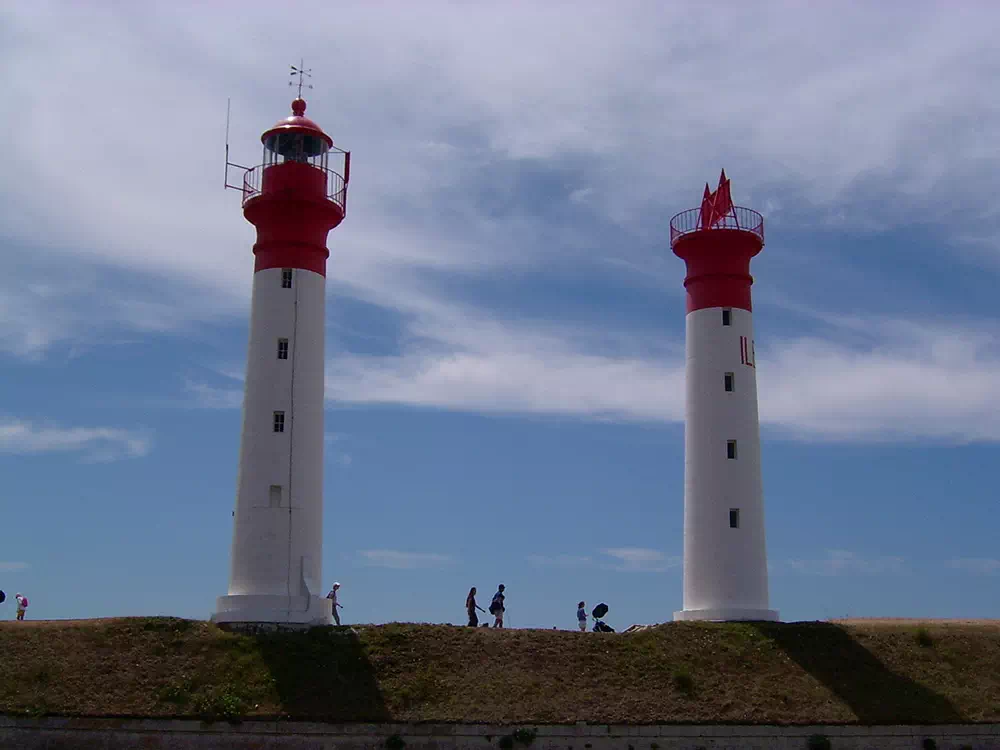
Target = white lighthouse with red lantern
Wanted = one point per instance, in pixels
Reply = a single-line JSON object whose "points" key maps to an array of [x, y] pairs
{"points": [[725, 555], [293, 198]]}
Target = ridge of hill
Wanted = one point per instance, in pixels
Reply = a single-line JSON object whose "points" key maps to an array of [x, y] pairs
{"points": [[866, 672]]}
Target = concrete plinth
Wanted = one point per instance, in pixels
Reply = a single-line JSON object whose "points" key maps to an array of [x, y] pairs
{"points": [[266, 608], [724, 615]]}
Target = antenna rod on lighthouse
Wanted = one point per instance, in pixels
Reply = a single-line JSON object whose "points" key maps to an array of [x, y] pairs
{"points": [[301, 72], [225, 180]]}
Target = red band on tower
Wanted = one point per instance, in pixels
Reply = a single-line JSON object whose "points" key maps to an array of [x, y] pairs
{"points": [[294, 210], [718, 267], [717, 241]]}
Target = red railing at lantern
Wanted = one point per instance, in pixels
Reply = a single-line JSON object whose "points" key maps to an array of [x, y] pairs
{"points": [[744, 219], [336, 184]]}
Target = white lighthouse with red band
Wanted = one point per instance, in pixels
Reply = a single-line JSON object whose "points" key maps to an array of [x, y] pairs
{"points": [[725, 555], [294, 199]]}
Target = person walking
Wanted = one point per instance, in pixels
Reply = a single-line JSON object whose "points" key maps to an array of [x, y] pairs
{"points": [[22, 604], [581, 616], [497, 607], [471, 607], [332, 596]]}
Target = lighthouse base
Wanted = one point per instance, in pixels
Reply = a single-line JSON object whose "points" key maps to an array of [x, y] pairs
{"points": [[268, 608], [727, 614]]}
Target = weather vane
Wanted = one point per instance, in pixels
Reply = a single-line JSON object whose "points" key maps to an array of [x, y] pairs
{"points": [[302, 73]]}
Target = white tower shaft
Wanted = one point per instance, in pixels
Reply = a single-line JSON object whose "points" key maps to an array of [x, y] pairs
{"points": [[277, 547], [725, 558]]}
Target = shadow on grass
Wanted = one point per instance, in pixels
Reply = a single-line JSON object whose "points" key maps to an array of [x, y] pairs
{"points": [[875, 694], [323, 674]]}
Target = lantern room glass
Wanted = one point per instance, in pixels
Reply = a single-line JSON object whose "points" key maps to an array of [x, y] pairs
{"points": [[305, 148]]}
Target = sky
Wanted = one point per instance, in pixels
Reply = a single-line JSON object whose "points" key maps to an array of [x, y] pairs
{"points": [[505, 320]]}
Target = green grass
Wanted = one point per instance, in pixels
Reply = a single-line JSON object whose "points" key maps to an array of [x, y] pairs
{"points": [[681, 672]]}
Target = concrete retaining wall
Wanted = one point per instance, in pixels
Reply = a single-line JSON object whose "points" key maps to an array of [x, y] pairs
{"points": [[149, 734]]}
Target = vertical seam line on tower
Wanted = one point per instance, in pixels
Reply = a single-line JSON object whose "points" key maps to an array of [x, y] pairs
{"points": [[291, 433]]}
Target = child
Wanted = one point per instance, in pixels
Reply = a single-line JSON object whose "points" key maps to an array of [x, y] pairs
{"points": [[22, 604], [581, 616]]}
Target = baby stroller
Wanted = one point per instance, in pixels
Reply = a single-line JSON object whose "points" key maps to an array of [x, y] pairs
{"points": [[599, 611]]}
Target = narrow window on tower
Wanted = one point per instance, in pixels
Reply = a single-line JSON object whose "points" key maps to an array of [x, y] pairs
{"points": [[727, 316], [286, 278], [279, 421], [730, 449], [274, 496], [734, 518], [283, 349], [730, 387]]}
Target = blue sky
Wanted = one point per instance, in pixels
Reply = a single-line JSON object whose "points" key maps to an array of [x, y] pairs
{"points": [[505, 318]]}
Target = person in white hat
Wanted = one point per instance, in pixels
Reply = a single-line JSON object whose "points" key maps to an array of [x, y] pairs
{"points": [[332, 596]]}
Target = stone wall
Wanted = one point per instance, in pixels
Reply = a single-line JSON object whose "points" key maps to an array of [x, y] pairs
{"points": [[54, 733]]}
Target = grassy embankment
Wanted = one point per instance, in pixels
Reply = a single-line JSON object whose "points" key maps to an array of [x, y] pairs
{"points": [[858, 672]]}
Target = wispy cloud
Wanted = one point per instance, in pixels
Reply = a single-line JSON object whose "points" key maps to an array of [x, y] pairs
{"points": [[43, 306], [641, 560], [560, 561], [895, 380], [978, 565], [623, 559], [901, 380], [397, 559], [95, 444], [207, 396], [841, 562], [13, 567]]}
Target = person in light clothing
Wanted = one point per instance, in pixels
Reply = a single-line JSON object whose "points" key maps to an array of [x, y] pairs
{"points": [[332, 596], [581, 616], [22, 604]]}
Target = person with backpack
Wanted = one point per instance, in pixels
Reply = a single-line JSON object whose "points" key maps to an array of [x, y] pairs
{"points": [[22, 604], [497, 607], [471, 607]]}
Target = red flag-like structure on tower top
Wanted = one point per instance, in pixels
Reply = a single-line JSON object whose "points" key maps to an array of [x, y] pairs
{"points": [[716, 206]]}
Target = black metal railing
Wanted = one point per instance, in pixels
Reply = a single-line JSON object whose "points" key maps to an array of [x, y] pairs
{"points": [[336, 188], [739, 218]]}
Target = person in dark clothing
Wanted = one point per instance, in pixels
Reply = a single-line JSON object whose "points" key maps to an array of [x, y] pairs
{"points": [[471, 607], [497, 607]]}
